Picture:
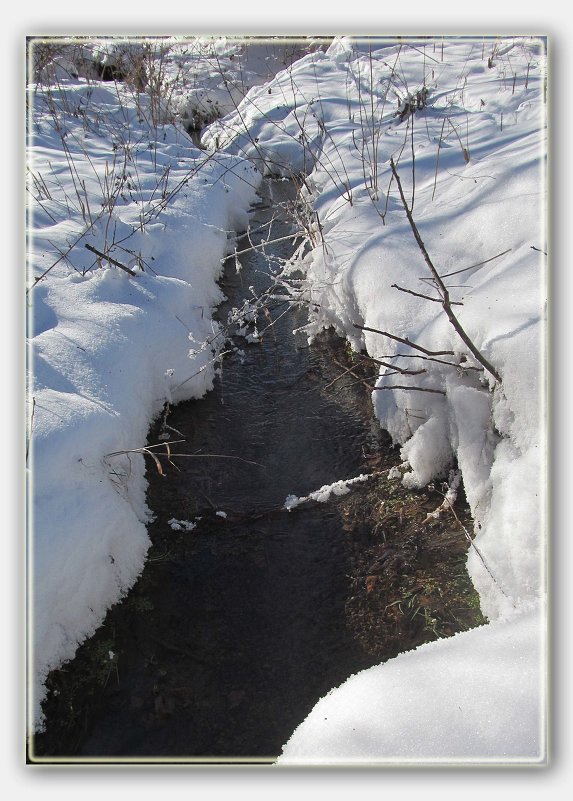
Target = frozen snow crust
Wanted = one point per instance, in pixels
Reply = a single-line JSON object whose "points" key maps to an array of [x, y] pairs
{"points": [[471, 161]]}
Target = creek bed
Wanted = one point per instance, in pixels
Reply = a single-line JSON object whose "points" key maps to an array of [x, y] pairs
{"points": [[246, 614]]}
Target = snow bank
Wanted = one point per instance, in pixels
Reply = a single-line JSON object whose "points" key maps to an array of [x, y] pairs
{"points": [[465, 122], [447, 702], [108, 348], [476, 147]]}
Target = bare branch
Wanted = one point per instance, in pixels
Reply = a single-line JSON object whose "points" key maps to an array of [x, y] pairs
{"points": [[146, 450], [395, 367], [446, 303], [476, 549], [341, 375], [426, 297], [406, 341], [412, 389], [352, 373], [458, 365], [110, 260], [261, 245], [479, 264]]}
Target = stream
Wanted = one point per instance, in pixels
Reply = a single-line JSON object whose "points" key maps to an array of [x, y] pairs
{"points": [[237, 625]]}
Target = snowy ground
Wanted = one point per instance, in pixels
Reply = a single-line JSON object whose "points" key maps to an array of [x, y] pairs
{"points": [[107, 348]]}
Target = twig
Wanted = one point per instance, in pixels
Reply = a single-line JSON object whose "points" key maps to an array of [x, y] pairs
{"points": [[351, 371], [406, 341], [476, 549], [426, 297], [147, 450], [261, 245], [218, 456], [63, 256], [395, 367], [438, 158], [411, 389], [110, 260], [479, 264], [413, 163], [457, 365]]}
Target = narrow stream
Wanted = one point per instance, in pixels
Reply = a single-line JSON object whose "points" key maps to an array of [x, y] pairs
{"points": [[237, 627]]}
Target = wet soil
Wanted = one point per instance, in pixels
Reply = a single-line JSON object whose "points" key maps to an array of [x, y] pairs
{"points": [[246, 614]]}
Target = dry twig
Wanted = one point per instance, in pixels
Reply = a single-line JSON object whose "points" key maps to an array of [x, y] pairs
{"points": [[440, 286]]}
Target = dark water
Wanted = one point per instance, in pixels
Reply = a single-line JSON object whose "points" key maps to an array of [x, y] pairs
{"points": [[237, 628]]}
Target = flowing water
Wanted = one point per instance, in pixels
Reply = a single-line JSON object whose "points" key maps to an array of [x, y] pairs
{"points": [[237, 626]]}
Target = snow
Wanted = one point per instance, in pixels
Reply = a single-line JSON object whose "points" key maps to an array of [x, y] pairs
{"points": [[107, 349], [322, 495], [388, 714], [479, 197], [181, 525]]}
